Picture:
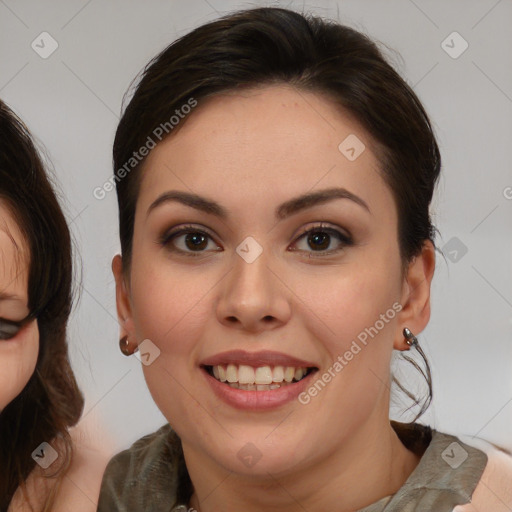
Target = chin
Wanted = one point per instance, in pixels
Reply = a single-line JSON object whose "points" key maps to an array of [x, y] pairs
{"points": [[254, 456]]}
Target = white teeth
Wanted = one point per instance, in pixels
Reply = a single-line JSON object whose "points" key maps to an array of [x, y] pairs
{"points": [[278, 374], [263, 375], [262, 378], [245, 374], [231, 373], [289, 373]]}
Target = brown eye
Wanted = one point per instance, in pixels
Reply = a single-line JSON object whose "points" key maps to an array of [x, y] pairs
{"points": [[195, 241], [189, 241], [320, 239]]}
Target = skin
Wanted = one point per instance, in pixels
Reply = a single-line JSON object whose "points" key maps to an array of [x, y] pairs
{"points": [[251, 152], [80, 489], [18, 358], [18, 355]]}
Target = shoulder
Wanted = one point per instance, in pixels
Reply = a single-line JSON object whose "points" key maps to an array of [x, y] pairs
{"points": [[446, 476], [143, 456], [78, 487], [143, 476], [493, 492]]}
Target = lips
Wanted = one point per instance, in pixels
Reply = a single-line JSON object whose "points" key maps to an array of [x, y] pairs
{"points": [[260, 371], [255, 359]]}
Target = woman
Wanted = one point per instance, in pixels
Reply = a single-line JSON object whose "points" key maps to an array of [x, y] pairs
{"points": [[41, 467], [274, 176]]}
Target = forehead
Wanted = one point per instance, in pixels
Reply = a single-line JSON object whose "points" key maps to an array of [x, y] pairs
{"points": [[14, 258], [269, 143]]}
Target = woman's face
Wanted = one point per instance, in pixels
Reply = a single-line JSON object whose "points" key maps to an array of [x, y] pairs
{"points": [[247, 297], [19, 346]]}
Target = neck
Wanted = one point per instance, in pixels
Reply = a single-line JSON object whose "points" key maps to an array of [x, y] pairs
{"points": [[373, 464]]}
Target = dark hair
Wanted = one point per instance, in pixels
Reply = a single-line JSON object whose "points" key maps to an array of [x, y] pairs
{"points": [[266, 46], [51, 401]]}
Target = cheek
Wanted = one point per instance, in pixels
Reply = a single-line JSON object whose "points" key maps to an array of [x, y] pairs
{"points": [[172, 309], [18, 358], [169, 306], [354, 313], [358, 300]]}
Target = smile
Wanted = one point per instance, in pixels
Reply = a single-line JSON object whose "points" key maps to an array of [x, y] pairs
{"points": [[257, 381], [261, 378]]}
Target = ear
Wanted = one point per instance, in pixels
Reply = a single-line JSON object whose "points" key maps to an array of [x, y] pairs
{"points": [[123, 303], [415, 298]]}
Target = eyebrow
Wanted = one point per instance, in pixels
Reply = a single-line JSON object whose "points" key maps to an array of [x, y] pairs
{"points": [[283, 211]]}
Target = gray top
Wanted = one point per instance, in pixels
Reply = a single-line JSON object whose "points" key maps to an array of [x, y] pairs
{"points": [[151, 475]]}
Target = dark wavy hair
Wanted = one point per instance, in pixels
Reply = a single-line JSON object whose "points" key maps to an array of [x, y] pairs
{"points": [[267, 46], [51, 401]]}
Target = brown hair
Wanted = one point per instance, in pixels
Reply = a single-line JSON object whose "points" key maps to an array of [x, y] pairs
{"points": [[266, 46], [50, 402]]}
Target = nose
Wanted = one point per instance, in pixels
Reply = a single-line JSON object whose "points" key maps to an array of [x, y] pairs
{"points": [[253, 297]]}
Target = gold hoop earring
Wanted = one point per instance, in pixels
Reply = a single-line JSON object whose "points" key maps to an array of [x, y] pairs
{"points": [[124, 345], [410, 339]]}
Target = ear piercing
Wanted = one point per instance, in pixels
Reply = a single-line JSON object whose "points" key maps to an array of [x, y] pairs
{"points": [[124, 345], [410, 339]]}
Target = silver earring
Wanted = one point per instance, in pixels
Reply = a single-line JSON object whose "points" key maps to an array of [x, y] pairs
{"points": [[410, 339]]}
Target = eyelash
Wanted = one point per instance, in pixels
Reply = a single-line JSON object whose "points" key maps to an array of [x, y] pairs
{"points": [[9, 324], [167, 238]]}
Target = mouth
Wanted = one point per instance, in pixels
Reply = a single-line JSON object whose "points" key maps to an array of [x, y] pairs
{"points": [[257, 381], [258, 378]]}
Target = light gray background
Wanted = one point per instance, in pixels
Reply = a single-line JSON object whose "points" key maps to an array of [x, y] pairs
{"points": [[72, 101]]}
